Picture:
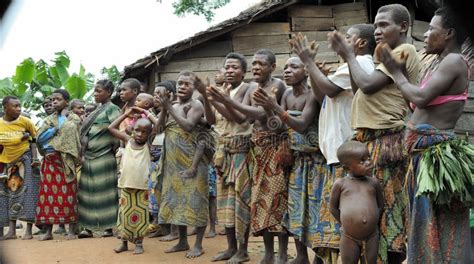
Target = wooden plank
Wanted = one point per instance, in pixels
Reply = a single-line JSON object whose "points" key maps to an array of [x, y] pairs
{"points": [[201, 64], [419, 28], [466, 122], [350, 14], [469, 107], [250, 44], [174, 75], [315, 35], [470, 90], [328, 57], [349, 21], [208, 49], [348, 7], [310, 11], [311, 24], [256, 29]]}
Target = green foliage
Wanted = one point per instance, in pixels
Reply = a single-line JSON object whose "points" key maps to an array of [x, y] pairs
{"points": [[113, 74], [34, 81], [198, 7]]}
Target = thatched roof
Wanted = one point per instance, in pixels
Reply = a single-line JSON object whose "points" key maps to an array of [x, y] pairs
{"points": [[245, 17]]}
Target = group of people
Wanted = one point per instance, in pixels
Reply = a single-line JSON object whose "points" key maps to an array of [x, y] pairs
{"points": [[361, 164]]}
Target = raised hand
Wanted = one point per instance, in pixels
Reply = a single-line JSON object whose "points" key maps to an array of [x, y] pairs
{"points": [[340, 45], [200, 86], [323, 67], [261, 98], [393, 64], [218, 95], [299, 45]]}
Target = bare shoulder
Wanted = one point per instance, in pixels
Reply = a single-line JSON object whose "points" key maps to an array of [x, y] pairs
{"points": [[338, 183], [373, 181], [196, 103], [455, 62], [279, 84]]}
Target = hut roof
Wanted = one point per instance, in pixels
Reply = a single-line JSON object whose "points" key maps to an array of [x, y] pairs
{"points": [[245, 17]]}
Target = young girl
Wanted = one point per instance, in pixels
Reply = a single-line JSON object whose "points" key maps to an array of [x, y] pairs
{"points": [[132, 222]]}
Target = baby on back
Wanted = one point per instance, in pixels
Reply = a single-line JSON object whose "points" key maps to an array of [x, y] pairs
{"points": [[357, 203]]}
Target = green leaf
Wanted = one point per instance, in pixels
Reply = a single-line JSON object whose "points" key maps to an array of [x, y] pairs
{"points": [[62, 58], [41, 75], [55, 80], [62, 74], [76, 86]]}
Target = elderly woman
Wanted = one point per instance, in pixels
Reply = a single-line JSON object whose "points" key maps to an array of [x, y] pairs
{"points": [[98, 193], [58, 140], [440, 177]]}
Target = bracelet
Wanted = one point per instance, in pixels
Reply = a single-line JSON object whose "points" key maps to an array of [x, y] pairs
{"points": [[284, 116], [149, 114]]}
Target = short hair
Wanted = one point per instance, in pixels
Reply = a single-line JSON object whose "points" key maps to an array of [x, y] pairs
{"points": [[148, 97], [91, 104], [7, 99], [346, 151], [107, 85], [133, 83], [145, 122], [46, 100], [399, 13], [187, 73], [75, 102], [366, 31], [170, 86], [450, 20], [64, 93], [239, 57], [270, 55]]}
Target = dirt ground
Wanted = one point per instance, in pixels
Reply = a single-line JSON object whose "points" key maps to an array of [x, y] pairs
{"points": [[99, 250]]}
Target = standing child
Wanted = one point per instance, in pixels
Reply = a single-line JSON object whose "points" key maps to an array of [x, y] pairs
{"points": [[135, 170], [357, 203]]}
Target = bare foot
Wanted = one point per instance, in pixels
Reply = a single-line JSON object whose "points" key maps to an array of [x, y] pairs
{"points": [[27, 236], [45, 237], [123, 247], [195, 252], [178, 247], [221, 232], [158, 233], [239, 257], [223, 255], [211, 234], [9, 236], [281, 260], [60, 231], [299, 260], [267, 259], [169, 237], [71, 236], [138, 250]]}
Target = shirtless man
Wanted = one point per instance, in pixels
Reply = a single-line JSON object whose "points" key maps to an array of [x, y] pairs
{"points": [[267, 192], [357, 203]]}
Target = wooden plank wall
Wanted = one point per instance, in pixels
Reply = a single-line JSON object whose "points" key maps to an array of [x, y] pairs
{"points": [[317, 21]]}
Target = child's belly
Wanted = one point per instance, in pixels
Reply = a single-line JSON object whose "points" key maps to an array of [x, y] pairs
{"points": [[359, 217]]}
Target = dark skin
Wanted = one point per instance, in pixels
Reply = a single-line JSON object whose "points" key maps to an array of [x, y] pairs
{"points": [[386, 31], [187, 113], [248, 110], [48, 106], [234, 74], [128, 95], [12, 111], [141, 134], [450, 78], [78, 109], [252, 112], [300, 98], [60, 105], [319, 82], [357, 203]]}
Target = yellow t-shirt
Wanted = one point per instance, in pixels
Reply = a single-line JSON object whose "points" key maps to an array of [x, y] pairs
{"points": [[386, 108], [10, 138]]}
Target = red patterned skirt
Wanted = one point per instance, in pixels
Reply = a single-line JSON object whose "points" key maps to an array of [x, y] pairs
{"points": [[57, 203]]}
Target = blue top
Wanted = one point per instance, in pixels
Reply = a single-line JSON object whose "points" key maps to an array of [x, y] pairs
{"points": [[44, 137]]}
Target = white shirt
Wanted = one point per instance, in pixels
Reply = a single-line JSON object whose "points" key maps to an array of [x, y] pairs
{"points": [[335, 114]]}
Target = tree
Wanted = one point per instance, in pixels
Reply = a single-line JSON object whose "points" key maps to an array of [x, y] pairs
{"points": [[198, 7], [34, 81]]}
